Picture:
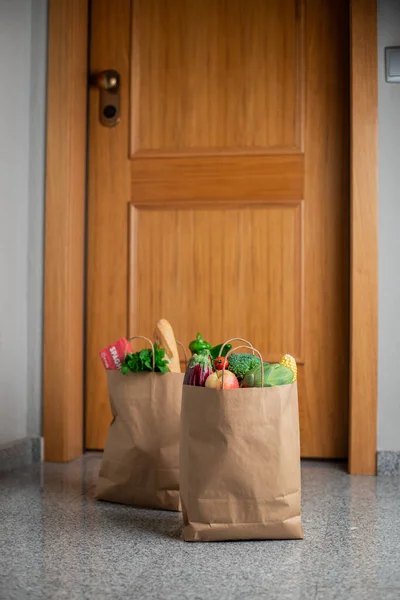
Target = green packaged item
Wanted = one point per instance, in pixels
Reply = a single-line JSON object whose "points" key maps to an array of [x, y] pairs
{"points": [[274, 374]]}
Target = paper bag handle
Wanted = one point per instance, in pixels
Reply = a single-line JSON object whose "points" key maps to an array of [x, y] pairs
{"points": [[255, 351], [248, 344], [184, 351], [142, 337]]}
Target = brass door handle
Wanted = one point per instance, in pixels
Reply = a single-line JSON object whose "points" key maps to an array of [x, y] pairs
{"points": [[108, 82]]}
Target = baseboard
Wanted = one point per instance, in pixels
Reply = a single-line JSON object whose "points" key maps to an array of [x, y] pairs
{"points": [[388, 462], [20, 453]]}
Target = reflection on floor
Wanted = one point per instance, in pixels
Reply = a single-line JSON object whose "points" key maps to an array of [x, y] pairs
{"points": [[57, 542]]}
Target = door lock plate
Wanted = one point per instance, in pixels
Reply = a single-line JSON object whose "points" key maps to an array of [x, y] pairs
{"points": [[108, 82]]}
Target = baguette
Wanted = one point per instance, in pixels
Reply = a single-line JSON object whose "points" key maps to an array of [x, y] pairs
{"points": [[165, 338]]}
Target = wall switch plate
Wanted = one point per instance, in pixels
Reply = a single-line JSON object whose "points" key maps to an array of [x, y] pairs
{"points": [[392, 59]]}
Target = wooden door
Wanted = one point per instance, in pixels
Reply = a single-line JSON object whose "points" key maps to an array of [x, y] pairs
{"points": [[221, 200]]}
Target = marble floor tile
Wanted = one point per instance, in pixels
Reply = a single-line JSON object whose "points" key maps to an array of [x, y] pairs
{"points": [[58, 542]]}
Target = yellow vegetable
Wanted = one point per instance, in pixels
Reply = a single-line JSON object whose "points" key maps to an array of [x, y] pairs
{"points": [[289, 362]]}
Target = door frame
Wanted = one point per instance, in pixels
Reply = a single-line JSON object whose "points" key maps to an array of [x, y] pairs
{"points": [[64, 286]]}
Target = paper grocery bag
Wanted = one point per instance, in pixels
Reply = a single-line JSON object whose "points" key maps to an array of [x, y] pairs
{"points": [[240, 463], [140, 464]]}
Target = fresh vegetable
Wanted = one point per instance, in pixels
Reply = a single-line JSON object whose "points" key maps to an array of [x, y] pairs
{"points": [[220, 362], [198, 369], [216, 351], [199, 344], [240, 364], [274, 374], [289, 361], [142, 361], [215, 380]]}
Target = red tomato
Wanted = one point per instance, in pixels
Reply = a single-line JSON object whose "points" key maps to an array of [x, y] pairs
{"points": [[219, 363]]}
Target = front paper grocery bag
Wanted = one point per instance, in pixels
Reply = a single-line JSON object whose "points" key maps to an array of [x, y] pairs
{"points": [[240, 463], [140, 465]]}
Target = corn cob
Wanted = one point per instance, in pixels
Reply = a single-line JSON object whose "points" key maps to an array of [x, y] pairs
{"points": [[289, 362]]}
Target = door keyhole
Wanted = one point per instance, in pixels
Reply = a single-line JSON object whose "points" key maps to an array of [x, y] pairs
{"points": [[108, 82]]}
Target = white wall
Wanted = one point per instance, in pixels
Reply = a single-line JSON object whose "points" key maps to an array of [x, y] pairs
{"points": [[37, 162], [389, 235], [22, 97]]}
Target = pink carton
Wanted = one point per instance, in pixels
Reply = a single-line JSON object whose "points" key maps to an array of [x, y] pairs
{"points": [[113, 355]]}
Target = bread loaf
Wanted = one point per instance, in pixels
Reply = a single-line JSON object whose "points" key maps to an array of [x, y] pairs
{"points": [[164, 336]]}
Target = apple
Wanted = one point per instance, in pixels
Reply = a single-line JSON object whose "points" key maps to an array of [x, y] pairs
{"points": [[215, 380]]}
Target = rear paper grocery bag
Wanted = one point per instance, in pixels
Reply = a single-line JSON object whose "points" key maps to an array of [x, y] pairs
{"points": [[140, 465], [240, 463]]}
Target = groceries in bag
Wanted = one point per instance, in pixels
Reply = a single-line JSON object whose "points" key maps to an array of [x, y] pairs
{"points": [[140, 464], [233, 370], [240, 456]]}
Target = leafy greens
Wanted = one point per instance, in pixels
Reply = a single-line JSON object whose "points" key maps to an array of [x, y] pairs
{"points": [[142, 361]]}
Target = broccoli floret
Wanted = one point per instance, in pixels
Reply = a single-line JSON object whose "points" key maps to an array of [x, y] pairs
{"points": [[239, 364]]}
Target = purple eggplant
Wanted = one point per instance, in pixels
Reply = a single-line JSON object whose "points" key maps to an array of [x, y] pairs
{"points": [[198, 369]]}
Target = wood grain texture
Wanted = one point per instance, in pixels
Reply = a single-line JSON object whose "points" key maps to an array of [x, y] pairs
{"points": [[65, 219], [210, 76], [65, 210], [225, 178], [212, 272], [364, 238], [215, 241], [109, 194], [323, 382]]}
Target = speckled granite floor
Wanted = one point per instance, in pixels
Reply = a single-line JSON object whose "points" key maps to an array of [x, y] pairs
{"points": [[56, 542]]}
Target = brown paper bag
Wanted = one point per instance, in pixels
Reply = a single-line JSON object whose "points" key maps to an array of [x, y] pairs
{"points": [[140, 464], [240, 463]]}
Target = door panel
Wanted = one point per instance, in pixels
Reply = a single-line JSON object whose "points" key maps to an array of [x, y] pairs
{"points": [[220, 201], [190, 58], [232, 247], [256, 178]]}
